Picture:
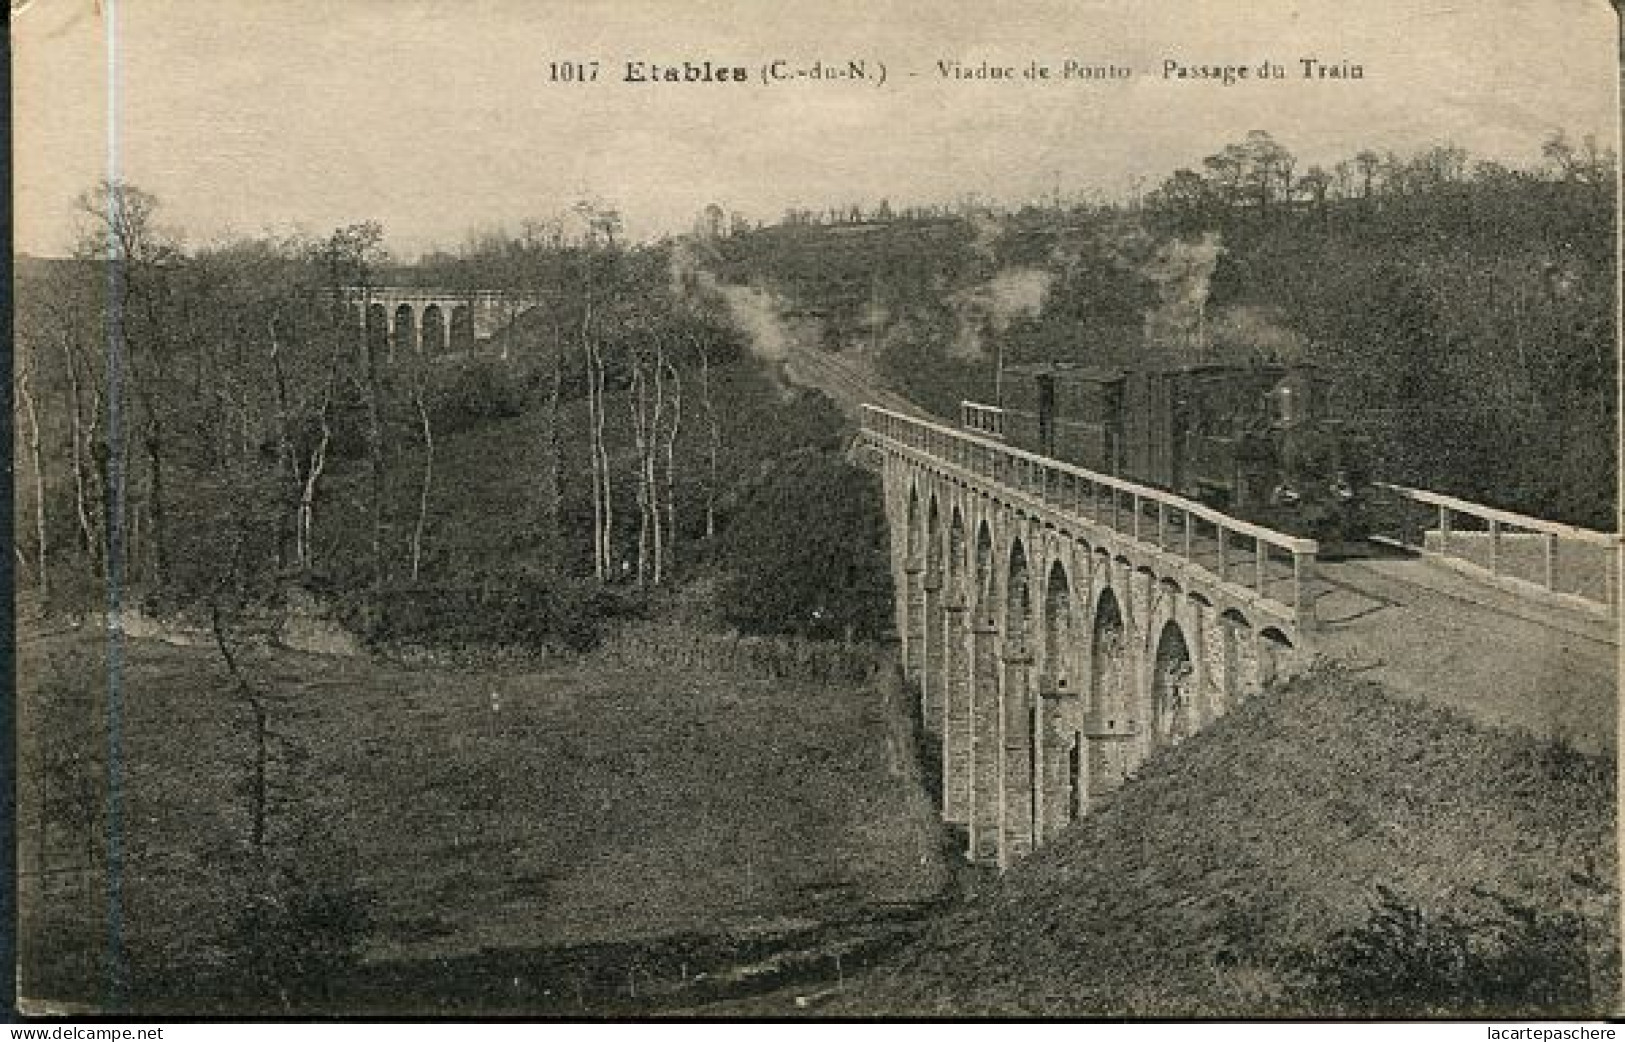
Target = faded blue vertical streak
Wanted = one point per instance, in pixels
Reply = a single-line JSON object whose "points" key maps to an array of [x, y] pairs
{"points": [[117, 974]]}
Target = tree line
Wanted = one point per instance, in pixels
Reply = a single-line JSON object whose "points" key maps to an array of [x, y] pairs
{"points": [[197, 426], [1461, 307], [1258, 176]]}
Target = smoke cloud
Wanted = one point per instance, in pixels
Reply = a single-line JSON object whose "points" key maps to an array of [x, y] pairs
{"points": [[1183, 274], [1012, 293], [752, 310]]}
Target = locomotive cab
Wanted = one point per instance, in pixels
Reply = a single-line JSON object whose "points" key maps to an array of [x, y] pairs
{"points": [[1319, 468]]}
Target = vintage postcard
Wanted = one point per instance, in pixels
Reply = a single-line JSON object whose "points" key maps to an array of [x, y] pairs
{"points": [[1065, 508]]}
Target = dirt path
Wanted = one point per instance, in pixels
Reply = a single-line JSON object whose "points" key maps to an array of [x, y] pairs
{"points": [[1425, 632]]}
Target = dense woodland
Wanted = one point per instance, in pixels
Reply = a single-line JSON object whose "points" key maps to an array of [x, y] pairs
{"points": [[204, 429], [1462, 309], [249, 437]]}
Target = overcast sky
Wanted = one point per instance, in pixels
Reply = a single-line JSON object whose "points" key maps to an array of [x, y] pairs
{"points": [[438, 117]]}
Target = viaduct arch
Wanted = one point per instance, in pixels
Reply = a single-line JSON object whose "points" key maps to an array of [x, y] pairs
{"points": [[433, 322], [1053, 655]]}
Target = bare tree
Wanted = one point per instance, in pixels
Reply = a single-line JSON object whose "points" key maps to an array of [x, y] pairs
{"points": [[602, 514], [23, 372], [713, 443], [673, 425], [601, 223], [645, 407], [59, 310], [656, 404], [304, 465], [1367, 163], [419, 379], [124, 235], [89, 480], [353, 254], [536, 241]]}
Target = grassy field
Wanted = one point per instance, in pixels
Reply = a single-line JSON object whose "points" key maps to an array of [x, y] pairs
{"points": [[1218, 882], [604, 839], [555, 840]]}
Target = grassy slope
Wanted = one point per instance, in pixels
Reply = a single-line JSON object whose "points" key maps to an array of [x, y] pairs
{"points": [[1182, 895], [596, 805]]}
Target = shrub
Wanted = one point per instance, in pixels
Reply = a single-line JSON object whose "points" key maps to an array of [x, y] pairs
{"points": [[525, 608], [678, 645], [807, 552], [473, 391], [1502, 957], [298, 936]]}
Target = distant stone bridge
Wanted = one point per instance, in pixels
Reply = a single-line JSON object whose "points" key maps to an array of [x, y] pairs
{"points": [[428, 320], [1062, 626]]}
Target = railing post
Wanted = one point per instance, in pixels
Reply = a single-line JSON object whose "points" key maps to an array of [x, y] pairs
{"points": [[1297, 585], [1444, 531], [1260, 559], [1162, 525], [1495, 546], [1610, 578], [1224, 555], [1134, 498], [1549, 546], [1187, 516]]}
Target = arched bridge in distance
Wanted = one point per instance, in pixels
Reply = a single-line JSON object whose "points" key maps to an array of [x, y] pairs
{"points": [[434, 322], [1061, 626]]}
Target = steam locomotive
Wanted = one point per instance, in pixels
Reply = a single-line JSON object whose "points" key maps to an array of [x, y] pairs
{"points": [[1255, 441]]}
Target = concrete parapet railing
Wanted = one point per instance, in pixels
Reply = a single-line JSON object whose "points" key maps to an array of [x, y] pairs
{"points": [[431, 294], [1234, 551], [1527, 554], [988, 419]]}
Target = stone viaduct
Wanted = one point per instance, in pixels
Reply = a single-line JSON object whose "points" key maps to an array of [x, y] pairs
{"points": [[1061, 626], [426, 320]]}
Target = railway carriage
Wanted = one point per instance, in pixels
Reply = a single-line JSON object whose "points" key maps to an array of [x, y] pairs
{"points": [[1255, 440]]}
